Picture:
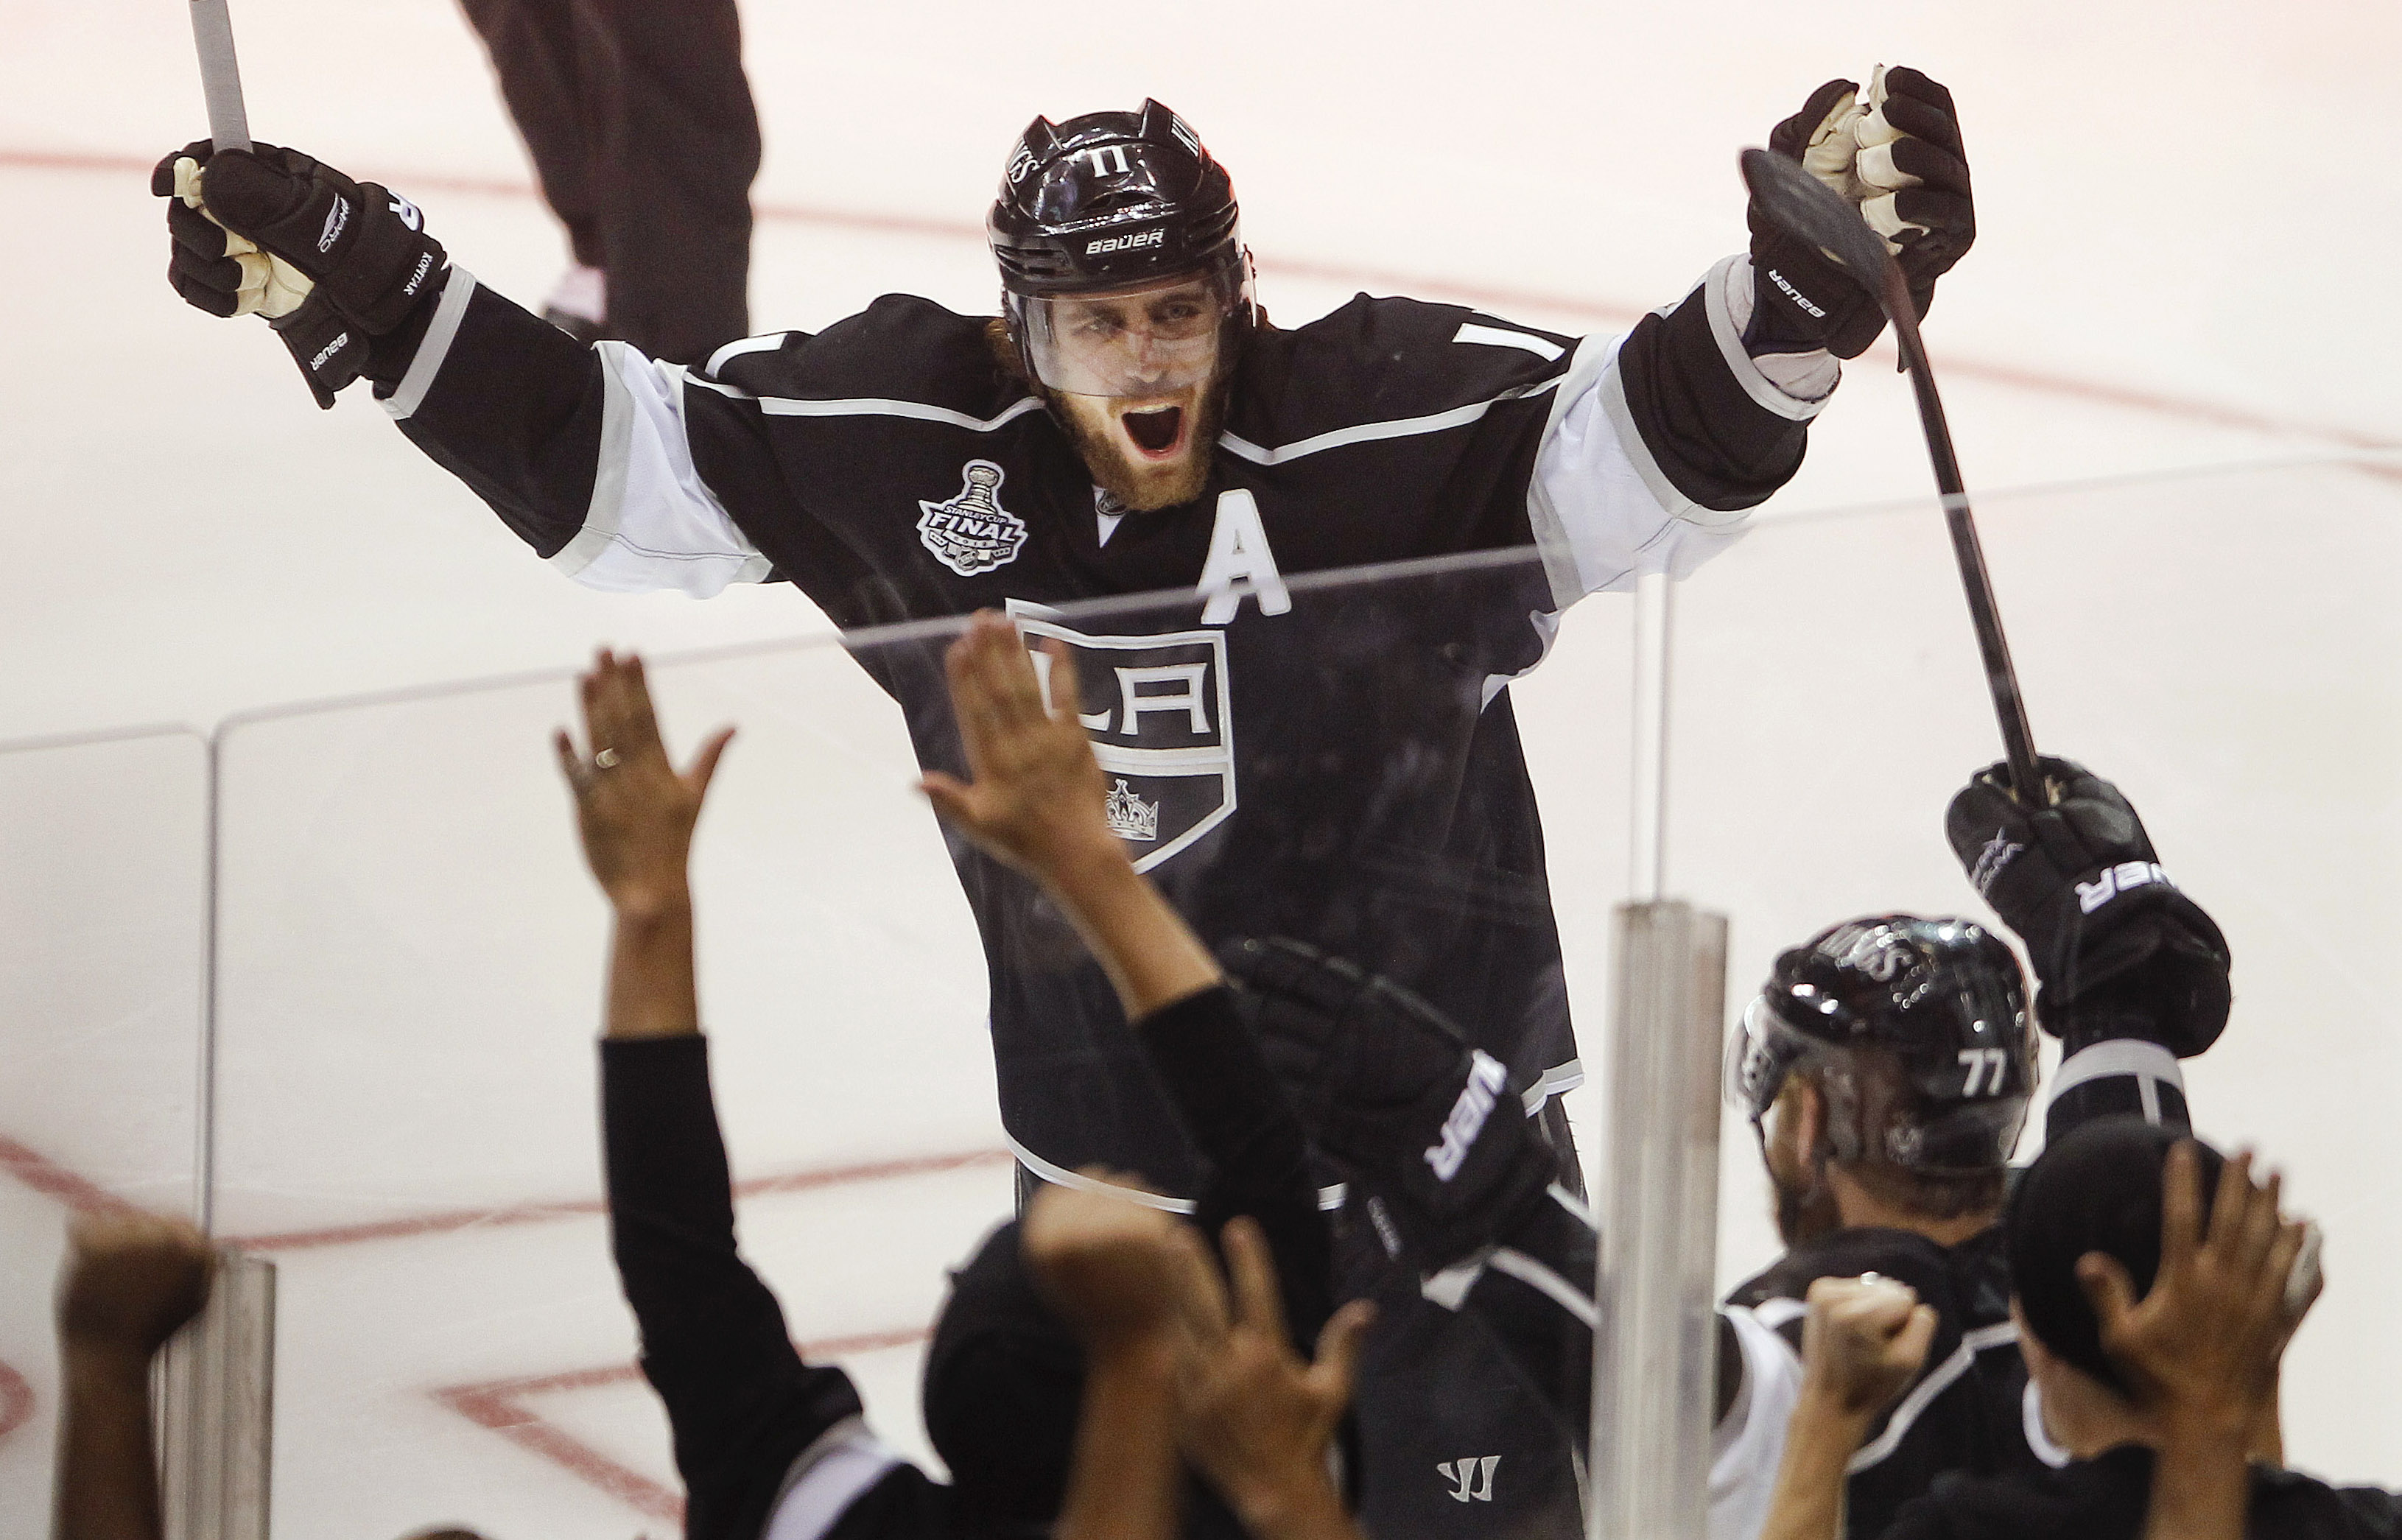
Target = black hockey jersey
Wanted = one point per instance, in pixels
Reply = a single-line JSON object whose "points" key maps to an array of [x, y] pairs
{"points": [[1969, 1410], [1332, 761]]}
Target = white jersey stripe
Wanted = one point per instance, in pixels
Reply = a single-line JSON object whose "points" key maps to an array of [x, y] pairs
{"points": [[652, 522], [1552, 1082], [1497, 337], [1897, 1428], [434, 347], [2148, 1064], [830, 1475], [879, 406], [764, 344], [1534, 1274], [1727, 289], [1329, 1198], [2039, 1436], [1368, 432]]}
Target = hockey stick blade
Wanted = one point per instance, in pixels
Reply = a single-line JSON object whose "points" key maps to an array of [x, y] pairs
{"points": [[1812, 210]]}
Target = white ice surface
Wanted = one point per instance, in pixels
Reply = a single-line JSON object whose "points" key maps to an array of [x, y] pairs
{"points": [[2186, 211]]}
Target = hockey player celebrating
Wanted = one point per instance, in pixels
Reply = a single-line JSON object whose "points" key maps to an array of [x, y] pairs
{"points": [[1130, 423], [1887, 1065]]}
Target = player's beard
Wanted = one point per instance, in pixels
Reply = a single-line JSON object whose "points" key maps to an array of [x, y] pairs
{"points": [[1142, 477], [1805, 1200]]}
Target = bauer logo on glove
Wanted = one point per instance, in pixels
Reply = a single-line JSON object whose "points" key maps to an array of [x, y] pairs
{"points": [[1429, 1128], [1897, 159], [2080, 884], [333, 265]]}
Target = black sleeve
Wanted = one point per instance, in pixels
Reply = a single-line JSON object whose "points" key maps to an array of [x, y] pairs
{"points": [[2116, 1061], [517, 416], [739, 1400], [1236, 1112], [1711, 437], [1920, 1519], [1517, 1295]]}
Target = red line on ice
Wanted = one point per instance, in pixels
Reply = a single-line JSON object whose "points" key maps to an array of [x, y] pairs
{"points": [[2130, 397], [445, 1220], [498, 1405], [47, 1177]]}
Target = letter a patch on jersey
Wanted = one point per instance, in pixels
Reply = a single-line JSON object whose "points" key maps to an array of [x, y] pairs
{"points": [[1158, 708], [970, 531]]}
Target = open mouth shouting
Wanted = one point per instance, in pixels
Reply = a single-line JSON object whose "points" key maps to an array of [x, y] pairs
{"points": [[1148, 451], [1157, 432]]}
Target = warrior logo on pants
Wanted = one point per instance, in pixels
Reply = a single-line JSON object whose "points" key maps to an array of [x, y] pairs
{"points": [[1159, 711], [970, 531]]}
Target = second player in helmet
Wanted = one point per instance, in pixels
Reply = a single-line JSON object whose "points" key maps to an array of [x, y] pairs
{"points": [[1887, 1067], [1126, 294]]}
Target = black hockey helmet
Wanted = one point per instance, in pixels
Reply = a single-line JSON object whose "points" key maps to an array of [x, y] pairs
{"points": [[1943, 997], [1112, 202]]}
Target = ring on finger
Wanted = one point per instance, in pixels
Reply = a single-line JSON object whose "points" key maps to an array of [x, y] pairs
{"points": [[605, 760]]}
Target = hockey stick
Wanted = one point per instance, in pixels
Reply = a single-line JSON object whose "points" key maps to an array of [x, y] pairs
{"points": [[1813, 210], [220, 75]]}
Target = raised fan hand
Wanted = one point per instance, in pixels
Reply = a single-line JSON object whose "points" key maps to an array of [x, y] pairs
{"points": [[1863, 1341], [634, 810], [1035, 799], [1253, 1415], [130, 1281], [2203, 1342], [1115, 1270]]}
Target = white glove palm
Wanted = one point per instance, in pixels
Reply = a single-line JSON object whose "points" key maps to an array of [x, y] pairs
{"points": [[270, 286], [1851, 150]]}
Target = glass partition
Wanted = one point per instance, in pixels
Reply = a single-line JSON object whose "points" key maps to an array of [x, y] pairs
{"points": [[102, 902], [411, 967], [2226, 646], [409, 952]]}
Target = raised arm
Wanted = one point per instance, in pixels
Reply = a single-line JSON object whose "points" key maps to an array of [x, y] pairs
{"points": [[1862, 1343], [1709, 400], [129, 1280], [1114, 1271], [635, 813], [739, 1400], [2201, 1349], [585, 453], [2134, 975], [1036, 802]]}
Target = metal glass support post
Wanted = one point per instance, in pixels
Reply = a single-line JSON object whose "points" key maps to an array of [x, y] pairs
{"points": [[1647, 843], [1653, 1373], [214, 1391]]}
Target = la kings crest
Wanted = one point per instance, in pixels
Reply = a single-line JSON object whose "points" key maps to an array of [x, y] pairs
{"points": [[1160, 713], [970, 531]]}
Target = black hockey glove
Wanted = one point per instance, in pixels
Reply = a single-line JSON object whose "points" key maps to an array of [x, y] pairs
{"points": [[1430, 1131], [2105, 928], [335, 266], [1899, 157]]}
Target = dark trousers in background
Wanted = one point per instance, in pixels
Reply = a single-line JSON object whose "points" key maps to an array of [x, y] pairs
{"points": [[645, 140]]}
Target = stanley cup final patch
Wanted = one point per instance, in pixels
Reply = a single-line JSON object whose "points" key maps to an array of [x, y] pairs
{"points": [[970, 531], [1159, 710]]}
